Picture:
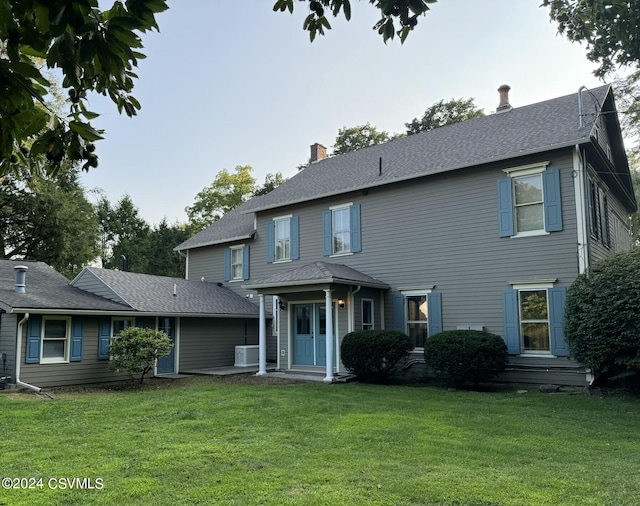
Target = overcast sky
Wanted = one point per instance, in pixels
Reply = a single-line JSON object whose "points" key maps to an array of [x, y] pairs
{"points": [[234, 83]]}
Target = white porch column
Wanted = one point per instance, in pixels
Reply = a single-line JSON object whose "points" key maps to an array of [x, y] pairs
{"points": [[262, 339], [329, 339]]}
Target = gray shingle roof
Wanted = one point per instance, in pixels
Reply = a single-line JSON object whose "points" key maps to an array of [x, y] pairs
{"points": [[47, 289], [520, 131], [154, 294], [236, 224], [317, 273]]}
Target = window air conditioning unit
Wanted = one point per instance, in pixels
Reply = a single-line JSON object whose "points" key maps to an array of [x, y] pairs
{"points": [[247, 356]]}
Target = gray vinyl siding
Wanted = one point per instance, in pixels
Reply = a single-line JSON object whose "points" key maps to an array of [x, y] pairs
{"points": [[89, 370], [209, 342], [438, 232], [442, 231], [92, 284], [8, 328]]}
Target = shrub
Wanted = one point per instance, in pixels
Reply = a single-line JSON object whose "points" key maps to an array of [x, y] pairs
{"points": [[135, 350], [602, 318], [372, 354], [466, 356]]}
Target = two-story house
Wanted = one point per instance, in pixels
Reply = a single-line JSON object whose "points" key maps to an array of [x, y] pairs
{"points": [[481, 224]]}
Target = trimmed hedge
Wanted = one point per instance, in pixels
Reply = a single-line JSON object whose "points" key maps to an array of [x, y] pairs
{"points": [[372, 354], [602, 318], [466, 356]]}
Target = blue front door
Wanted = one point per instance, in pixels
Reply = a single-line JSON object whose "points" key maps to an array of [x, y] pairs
{"points": [[303, 336], [310, 334], [166, 365]]}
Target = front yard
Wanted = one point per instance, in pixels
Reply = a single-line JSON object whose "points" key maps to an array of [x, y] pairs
{"points": [[210, 441]]}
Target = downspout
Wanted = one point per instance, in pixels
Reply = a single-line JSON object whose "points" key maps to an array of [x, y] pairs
{"points": [[19, 355]]}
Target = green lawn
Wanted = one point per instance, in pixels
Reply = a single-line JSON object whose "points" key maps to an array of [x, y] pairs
{"points": [[207, 441]]}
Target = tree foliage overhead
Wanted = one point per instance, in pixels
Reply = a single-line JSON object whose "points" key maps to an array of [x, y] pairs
{"points": [[48, 218], [95, 50], [609, 28], [358, 137], [404, 12], [124, 233], [227, 192], [445, 113]]}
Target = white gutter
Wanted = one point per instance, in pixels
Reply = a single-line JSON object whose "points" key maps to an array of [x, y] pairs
{"points": [[19, 355]]}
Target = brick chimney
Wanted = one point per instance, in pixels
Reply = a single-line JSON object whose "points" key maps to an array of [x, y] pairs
{"points": [[21, 275], [504, 105], [318, 152]]}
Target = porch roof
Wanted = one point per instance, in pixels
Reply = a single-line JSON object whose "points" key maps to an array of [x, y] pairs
{"points": [[314, 274]]}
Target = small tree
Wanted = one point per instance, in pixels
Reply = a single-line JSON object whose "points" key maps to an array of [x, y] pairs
{"points": [[602, 322], [466, 356], [135, 350], [372, 354]]}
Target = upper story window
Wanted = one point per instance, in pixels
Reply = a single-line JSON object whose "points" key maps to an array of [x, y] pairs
{"points": [[341, 230], [599, 213], [236, 263], [529, 201], [283, 239]]}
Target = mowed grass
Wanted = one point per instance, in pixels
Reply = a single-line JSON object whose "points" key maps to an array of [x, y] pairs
{"points": [[206, 441]]}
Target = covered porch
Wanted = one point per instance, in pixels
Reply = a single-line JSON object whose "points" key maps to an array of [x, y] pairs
{"points": [[319, 303]]}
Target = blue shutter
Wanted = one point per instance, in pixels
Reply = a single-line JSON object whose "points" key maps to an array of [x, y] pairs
{"points": [[245, 262], [398, 313], [32, 353], [505, 207], [227, 264], [557, 299], [356, 236], [104, 337], [294, 223], [77, 335], [271, 242], [326, 233], [511, 322], [552, 200], [434, 313]]}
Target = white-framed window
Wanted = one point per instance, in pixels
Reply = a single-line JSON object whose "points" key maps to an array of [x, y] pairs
{"points": [[341, 230], [368, 316], [534, 320], [282, 238], [529, 201], [120, 324], [599, 213], [417, 318], [56, 332], [237, 262]]}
